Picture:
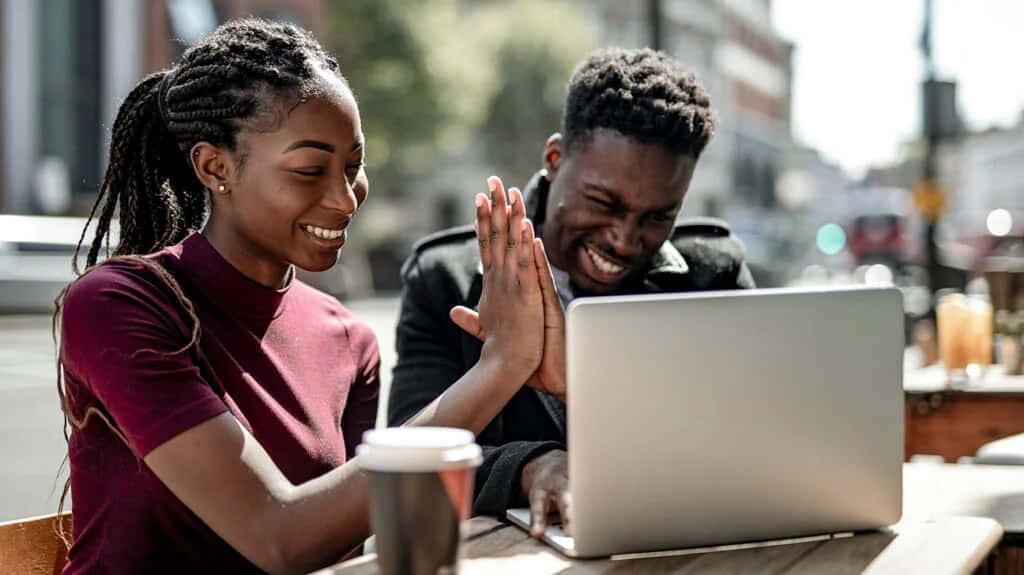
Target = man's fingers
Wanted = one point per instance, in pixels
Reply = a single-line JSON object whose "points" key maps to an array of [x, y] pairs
{"points": [[483, 229], [499, 221], [526, 250], [538, 512], [468, 320], [564, 502], [547, 281]]}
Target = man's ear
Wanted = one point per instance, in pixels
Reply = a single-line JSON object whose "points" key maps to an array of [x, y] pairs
{"points": [[553, 155], [212, 166]]}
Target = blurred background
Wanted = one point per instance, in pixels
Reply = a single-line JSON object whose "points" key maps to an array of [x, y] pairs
{"points": [[860, 141]]}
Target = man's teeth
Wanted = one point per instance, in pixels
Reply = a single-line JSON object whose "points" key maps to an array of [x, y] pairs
{"points": [[324, 233], [603, 264]]}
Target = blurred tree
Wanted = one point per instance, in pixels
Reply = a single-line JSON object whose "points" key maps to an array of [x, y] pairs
{"points": [[399, 98], [533, 60], [443, 87]]}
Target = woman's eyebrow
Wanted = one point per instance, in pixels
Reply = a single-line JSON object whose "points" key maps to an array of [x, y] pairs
{"points": [[309, 144]]}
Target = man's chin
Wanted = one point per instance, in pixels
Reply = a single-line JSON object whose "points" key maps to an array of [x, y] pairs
{"points": [[585, 285]]}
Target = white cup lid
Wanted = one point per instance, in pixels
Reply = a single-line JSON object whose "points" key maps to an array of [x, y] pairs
{"points": [[418, 449]]}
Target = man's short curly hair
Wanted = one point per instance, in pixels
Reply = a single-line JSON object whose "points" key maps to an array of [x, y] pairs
{"points": [[641, 94]]}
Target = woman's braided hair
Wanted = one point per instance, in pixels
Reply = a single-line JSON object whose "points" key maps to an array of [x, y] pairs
{"points": [[229, 78], [238, 77]]}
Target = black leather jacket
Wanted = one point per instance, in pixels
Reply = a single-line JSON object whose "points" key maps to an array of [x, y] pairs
{"points": [[444, 271]]}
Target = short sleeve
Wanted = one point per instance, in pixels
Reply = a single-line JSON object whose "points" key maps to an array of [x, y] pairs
{"points": [[361, 407], [120, 328]]}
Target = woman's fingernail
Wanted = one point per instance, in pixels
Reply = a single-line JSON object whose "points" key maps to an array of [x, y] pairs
{"points": [[492, 184], [480, 199]]}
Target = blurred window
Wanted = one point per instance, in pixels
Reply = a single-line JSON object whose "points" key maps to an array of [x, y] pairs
{"points": [[70, 85], [191, 19]]}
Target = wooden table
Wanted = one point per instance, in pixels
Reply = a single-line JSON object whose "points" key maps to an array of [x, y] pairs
{"points": [[935, 546], [955, 423], [994, 491]]}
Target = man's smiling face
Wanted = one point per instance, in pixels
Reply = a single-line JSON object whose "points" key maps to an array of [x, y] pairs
{"points": [[612, 204]]}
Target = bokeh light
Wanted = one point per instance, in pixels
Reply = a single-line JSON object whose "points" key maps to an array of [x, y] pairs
{"points": [[999, 222], [831, 239], [878, 275]]}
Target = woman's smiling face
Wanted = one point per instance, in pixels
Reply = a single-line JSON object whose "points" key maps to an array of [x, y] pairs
{"points": [[302, 183]]}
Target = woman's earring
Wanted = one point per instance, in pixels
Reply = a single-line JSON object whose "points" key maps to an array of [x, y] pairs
{"points": [[220, 188]]}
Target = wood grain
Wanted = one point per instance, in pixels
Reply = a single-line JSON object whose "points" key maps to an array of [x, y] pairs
{"points": [[949, 545], [32, 546], [994, 491], [955, 424]]}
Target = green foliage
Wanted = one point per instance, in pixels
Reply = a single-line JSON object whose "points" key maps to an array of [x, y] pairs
{"points": [[399, 99], [438, 79]]}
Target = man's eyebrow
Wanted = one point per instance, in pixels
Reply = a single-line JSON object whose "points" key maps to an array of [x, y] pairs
{"points": [[602, 188], [310, 144], [617, 199]]}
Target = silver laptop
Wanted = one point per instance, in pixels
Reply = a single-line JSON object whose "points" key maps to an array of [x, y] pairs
{"points": [[719, 418]]}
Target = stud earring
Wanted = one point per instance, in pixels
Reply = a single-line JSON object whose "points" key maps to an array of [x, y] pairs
{"points": [[220, 188]]}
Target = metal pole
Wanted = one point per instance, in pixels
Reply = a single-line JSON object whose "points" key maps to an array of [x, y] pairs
{"points": [[931, 140], [654, 24]]}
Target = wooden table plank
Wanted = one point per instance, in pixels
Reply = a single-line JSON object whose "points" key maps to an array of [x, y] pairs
{"points": [[954, 545], [994, 491], [844, 556], [949, 545]]}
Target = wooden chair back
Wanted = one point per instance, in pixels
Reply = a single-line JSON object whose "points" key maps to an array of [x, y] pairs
{"points": [[32, 547]]}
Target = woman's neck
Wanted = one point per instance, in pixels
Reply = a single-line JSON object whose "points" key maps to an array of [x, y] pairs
{"points": [[247, 257]]}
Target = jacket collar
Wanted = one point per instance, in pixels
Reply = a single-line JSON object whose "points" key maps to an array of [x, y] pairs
{"points": [[667, 265]]}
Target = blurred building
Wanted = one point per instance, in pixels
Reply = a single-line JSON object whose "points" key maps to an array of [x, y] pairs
{"points": [[980, 172], [986, 172], [65, 66], [747, 69], [731, 47]]}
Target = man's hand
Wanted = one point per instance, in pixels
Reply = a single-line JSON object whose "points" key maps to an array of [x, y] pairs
{"points": [[550, 376], [545, 484]]}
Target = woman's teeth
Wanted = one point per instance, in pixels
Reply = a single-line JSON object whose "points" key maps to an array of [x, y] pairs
{"points": [[603, 264], [323, 233]]}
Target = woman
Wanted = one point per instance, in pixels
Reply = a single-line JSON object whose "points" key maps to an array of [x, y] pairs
{"points": [[215, 401]]}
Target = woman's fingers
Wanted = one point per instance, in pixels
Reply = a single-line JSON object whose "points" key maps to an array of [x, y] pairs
{"points": [[515, 230], [483, 229], [468, 320], [499, 221]]}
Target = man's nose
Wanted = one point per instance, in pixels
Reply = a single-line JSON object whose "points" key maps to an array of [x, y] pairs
{"points": [[625, 238]]}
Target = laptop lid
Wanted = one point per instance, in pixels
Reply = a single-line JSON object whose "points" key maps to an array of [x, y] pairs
{"points": [[724, 417]]}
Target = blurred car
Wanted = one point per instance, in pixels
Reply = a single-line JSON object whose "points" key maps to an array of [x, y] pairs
{"points": [[878, 238]]}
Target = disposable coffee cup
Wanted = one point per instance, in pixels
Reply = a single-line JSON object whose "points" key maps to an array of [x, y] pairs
{"points": [[421, 490]]}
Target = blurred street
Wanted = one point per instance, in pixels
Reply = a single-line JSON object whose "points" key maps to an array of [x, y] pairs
{"points": [[31, 442]]}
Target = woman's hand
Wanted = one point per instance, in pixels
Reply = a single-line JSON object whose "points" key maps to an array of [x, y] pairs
{"points": [[550, 374], [511, 317]]}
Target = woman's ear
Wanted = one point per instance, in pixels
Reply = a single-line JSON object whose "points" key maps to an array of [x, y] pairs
{"points": [[212, 166], [553, 155]]}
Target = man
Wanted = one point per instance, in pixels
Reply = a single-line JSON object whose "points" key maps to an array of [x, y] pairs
{"points": [[605, 205]]}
